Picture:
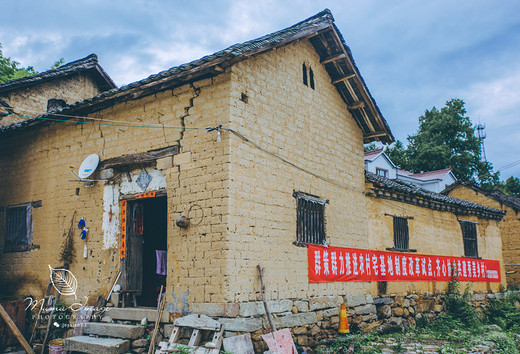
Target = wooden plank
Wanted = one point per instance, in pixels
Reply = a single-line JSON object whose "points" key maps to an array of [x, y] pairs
{"points": [[139, 158], [332, 58], [82, 317], [174, 337], [198, 321], [280, 341], [343, 78], [15, 330], [356, 105], [195, 337]]}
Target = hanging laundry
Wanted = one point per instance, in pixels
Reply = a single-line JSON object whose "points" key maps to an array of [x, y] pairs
{"points": [[161, 262]]}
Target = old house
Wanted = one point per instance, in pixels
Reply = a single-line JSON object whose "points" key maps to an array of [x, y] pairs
{"points": [[243, 157], [35, 95], [509, 227]]}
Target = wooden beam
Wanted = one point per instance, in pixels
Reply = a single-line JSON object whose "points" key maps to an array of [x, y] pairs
{"points": [[15, 330], [346, 77], [356, 105], [144, 157], [332, 58], [374, 134]]}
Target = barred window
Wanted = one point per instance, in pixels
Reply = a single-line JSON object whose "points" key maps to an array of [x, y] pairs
{"points": [[401, 233], [18, 228], [310, 220], [469, 237]]}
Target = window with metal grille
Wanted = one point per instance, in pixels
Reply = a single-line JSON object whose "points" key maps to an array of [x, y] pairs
{"points": [[310, 220], [401, 234], [18, 228], [469, 237]]}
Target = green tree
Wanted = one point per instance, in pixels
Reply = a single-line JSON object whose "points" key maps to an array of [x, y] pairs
{"points": [[10, 69], [369, 147], [512, 186], [446, 139], [398, 154]]}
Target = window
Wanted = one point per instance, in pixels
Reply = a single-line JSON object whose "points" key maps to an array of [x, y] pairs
{"points": [[311, 78], [382, 172], [469, 237], [304, 70], [401, 234], [310, 220], [18, 228]]}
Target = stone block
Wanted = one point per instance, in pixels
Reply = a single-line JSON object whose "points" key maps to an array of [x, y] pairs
{"points": [[86, 344], [384, 311], [302, 305], [424, 305], [165, 163], [256, 308], [331, 312], [478, 297], [438, 308], [354, 301], [398, 311], [241, 324], [215, 309], [182, 158], [406, 303], [383, 301], [113, 330], [140, 343], [365, 309], [299, 319], [324, 302]]}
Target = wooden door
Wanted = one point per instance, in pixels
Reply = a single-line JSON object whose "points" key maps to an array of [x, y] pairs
{"points": [[133, 264]]}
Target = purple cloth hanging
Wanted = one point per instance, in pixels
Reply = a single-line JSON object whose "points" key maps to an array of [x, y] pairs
{"points": [[161, 262]]}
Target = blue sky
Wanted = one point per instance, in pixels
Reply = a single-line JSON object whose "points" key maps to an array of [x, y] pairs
{"points": [[413, 55]]}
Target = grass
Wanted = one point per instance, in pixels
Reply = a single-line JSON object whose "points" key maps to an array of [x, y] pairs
{"points": [[457, 331]]}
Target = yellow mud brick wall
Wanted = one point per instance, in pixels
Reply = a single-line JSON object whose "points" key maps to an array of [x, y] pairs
{"points": [[509, 230], [32, 100], [432, 233], [311, 128], [34, 167]]}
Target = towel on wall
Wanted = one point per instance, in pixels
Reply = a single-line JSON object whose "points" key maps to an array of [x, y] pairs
{"points": [[160, 255]]}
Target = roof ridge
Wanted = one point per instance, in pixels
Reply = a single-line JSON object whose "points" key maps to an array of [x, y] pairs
{"points": [[88, 61]]}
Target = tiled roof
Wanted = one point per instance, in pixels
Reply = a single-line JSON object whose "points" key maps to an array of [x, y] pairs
{"points": [[88, 63], [322, 33], [500, 197], [372, 154], [430, 174], [433, 200]]}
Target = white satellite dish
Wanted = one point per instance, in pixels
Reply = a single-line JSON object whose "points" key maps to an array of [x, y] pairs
{"points": [[88, 166]]}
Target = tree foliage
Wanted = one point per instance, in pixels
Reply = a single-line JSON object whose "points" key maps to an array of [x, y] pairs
{"points": [[10, 69], [445, 139]]}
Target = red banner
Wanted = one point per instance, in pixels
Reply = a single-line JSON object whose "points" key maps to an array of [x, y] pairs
{"points": [[337, 264]]}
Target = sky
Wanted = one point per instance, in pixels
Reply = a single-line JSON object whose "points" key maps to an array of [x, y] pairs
{"points": [[413, 55]]}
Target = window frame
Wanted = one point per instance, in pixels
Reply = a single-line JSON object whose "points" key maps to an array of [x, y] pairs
{"points": [[27, 239], [468, 226], [382, 170], [310, 220], [401, 233]]}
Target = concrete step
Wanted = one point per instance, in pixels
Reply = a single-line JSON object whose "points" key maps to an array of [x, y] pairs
{"points": [[114, 330], [136, 314], [85, 344]]}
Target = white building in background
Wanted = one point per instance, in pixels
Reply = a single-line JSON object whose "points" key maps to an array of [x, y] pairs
{"points": [[376, 161]]}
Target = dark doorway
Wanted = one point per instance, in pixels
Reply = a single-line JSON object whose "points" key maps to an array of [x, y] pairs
{"points": [[145, 262]]}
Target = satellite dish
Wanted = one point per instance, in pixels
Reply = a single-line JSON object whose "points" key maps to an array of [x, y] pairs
{"points": [[88, 166]]}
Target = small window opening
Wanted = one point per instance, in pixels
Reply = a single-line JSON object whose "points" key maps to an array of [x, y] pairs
{"points": [[305, 80], [382, 172], [401, 234], [311, 78], [469, 237], [244, 98], [77, 191], [18, 228], [310, 220]]}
